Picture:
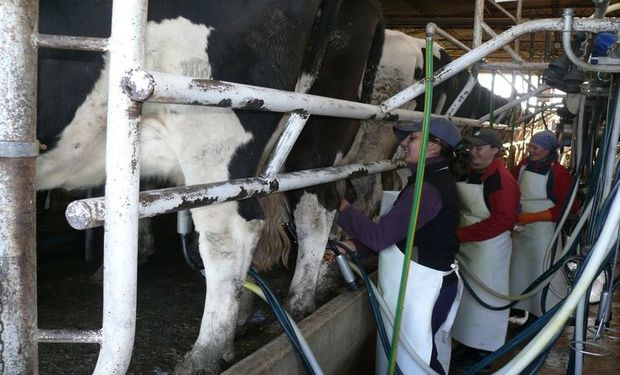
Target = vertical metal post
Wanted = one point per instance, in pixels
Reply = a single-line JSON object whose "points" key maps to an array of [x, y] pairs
{"points": [[18, 149], [122, 185], [518, 21], [478, 19]]}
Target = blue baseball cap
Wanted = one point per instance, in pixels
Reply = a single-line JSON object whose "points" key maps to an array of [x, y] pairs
{"points": [[545, 139], [439, 128]]}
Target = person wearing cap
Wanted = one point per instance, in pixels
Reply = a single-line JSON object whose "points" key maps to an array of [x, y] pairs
{"points": [[489, 197], [433, 289], [545, 185]]}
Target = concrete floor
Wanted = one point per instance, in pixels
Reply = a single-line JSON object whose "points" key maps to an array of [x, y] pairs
{"points": [[595, 365], [558, 358]]}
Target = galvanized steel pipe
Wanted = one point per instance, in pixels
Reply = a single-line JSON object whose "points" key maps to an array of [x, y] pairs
{"points": [[294, 125], [122, 187], [536, 67], [18, 272], [70, 337], [175, 89], [493, 45], [79, 43], [89, 213], [568, 48], [489, 31], [517, 101]]}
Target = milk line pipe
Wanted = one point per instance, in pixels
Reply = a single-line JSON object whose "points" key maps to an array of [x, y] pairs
{"points": [[577, 138], [608, 165], [605, 308], [568, 49], [611, 156], [453, 68], [598, 254]]}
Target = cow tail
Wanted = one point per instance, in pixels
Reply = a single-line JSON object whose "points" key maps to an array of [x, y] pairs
{"points": [[274, 244]]}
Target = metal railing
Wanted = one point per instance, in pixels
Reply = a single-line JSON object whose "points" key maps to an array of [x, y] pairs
{"points": [[121, 207]]}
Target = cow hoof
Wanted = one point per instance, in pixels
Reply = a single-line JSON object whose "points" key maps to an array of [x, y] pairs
{"points": [[197, 362], [299, 309]]}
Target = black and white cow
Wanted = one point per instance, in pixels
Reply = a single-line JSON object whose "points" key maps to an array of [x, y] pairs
{"points": [[322, 143], [260, 43], [402, 64]]}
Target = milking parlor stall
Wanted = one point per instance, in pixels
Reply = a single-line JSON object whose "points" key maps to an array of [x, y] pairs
{"points": [[76, 299]]}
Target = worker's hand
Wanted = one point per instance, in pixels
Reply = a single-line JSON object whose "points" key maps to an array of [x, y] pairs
{"points": [[343, 204], [531, 217], [330, 257]]}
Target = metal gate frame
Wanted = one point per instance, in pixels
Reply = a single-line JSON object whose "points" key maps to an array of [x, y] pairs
{"points": [[121, 207]]}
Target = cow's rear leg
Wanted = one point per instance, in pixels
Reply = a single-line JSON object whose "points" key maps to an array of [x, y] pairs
{"points": [[226, 244], [313, 224]]}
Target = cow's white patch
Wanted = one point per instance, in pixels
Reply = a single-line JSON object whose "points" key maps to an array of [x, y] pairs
{"points": [[185, 144], [313, 223], [304, 82]]}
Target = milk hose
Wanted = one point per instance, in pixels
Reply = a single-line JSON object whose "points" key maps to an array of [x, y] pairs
{"points": [[308, 360], [372, 298], [586, 274], [380, 310]]}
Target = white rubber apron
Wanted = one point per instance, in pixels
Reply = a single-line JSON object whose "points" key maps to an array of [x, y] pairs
{"points": [[423, 287], [529, 260], [475, 325]]}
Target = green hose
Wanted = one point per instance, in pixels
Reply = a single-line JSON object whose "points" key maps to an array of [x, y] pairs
{"points": [[428, 102]]}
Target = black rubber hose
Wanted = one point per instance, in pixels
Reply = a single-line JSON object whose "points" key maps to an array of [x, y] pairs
{"points": [[385, 343], [283, 320]]}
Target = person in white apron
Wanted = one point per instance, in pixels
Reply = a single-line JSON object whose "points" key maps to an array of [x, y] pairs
{"points": [[433, 289], [489, 197], [545, 185]]}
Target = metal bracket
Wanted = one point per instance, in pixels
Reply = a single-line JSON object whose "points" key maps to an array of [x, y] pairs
{"points": [[13, 149]]}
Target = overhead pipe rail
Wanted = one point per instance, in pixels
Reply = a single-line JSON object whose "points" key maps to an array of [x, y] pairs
{"points": [[453, 68], [122, 206]]}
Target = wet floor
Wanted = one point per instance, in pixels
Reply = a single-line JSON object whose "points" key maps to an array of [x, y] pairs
{"points": [[604, 357]]}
